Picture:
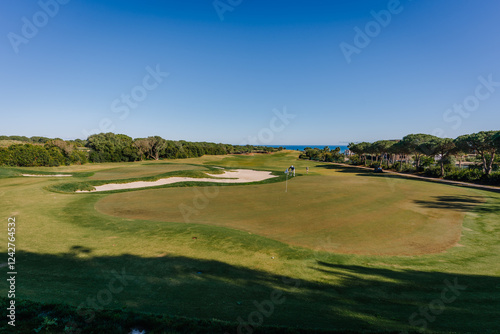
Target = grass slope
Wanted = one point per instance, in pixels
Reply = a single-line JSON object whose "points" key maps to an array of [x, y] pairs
{"points": [[142, 170], [68, 252], [347, 214]]}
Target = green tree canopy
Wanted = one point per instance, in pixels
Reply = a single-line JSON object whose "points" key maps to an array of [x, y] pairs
{"points": [[415, 144], [484, 144], [443, 147]]}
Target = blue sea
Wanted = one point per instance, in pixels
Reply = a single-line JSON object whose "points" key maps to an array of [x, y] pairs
{"points": [[302, 147]]}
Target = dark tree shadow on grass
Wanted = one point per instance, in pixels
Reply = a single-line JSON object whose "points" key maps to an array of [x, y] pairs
{"points": [[457, 203], [343, 169], [75, 250], [357, 298], [360, 171]]}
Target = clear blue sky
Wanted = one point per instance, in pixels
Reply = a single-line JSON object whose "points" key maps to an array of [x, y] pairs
{"points": [[227, 76]]}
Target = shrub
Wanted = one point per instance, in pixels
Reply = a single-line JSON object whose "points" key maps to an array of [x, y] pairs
{"points": [[434, 171], [466, 175], [405, 168], [56, 157], [78, 157], [427, 161], [494, 178], [28, 155], [4, 156], [355, 160]]}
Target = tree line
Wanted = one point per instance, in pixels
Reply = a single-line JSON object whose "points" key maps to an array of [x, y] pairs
{"points": [[325, 154], [54, 152], [110, 147], [424, 149], [40, 140]]}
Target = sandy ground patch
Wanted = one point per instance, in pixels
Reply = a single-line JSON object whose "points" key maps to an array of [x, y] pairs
{"points": [[234, 176], [54, 175]]}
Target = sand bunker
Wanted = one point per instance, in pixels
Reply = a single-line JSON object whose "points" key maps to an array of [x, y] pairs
{"points": [[48, 175], [234, 176]]}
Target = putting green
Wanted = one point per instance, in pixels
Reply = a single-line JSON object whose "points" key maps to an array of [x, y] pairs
{"points": [[351, 214]]}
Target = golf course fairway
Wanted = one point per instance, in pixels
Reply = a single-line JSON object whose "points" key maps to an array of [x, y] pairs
{"points": [[342, 248]]}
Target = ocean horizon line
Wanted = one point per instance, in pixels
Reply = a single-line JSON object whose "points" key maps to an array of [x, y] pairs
{"points": [[302, 147]]}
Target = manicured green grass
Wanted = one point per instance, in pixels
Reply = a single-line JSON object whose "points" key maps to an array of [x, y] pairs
{"points": [[194, 173], [210, 267], [8, 172], [141, 170], [45, 172], [335, 212]]}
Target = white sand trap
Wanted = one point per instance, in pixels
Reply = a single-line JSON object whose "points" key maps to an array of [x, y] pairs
{"points": [[48, 175], [235, 176]]}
